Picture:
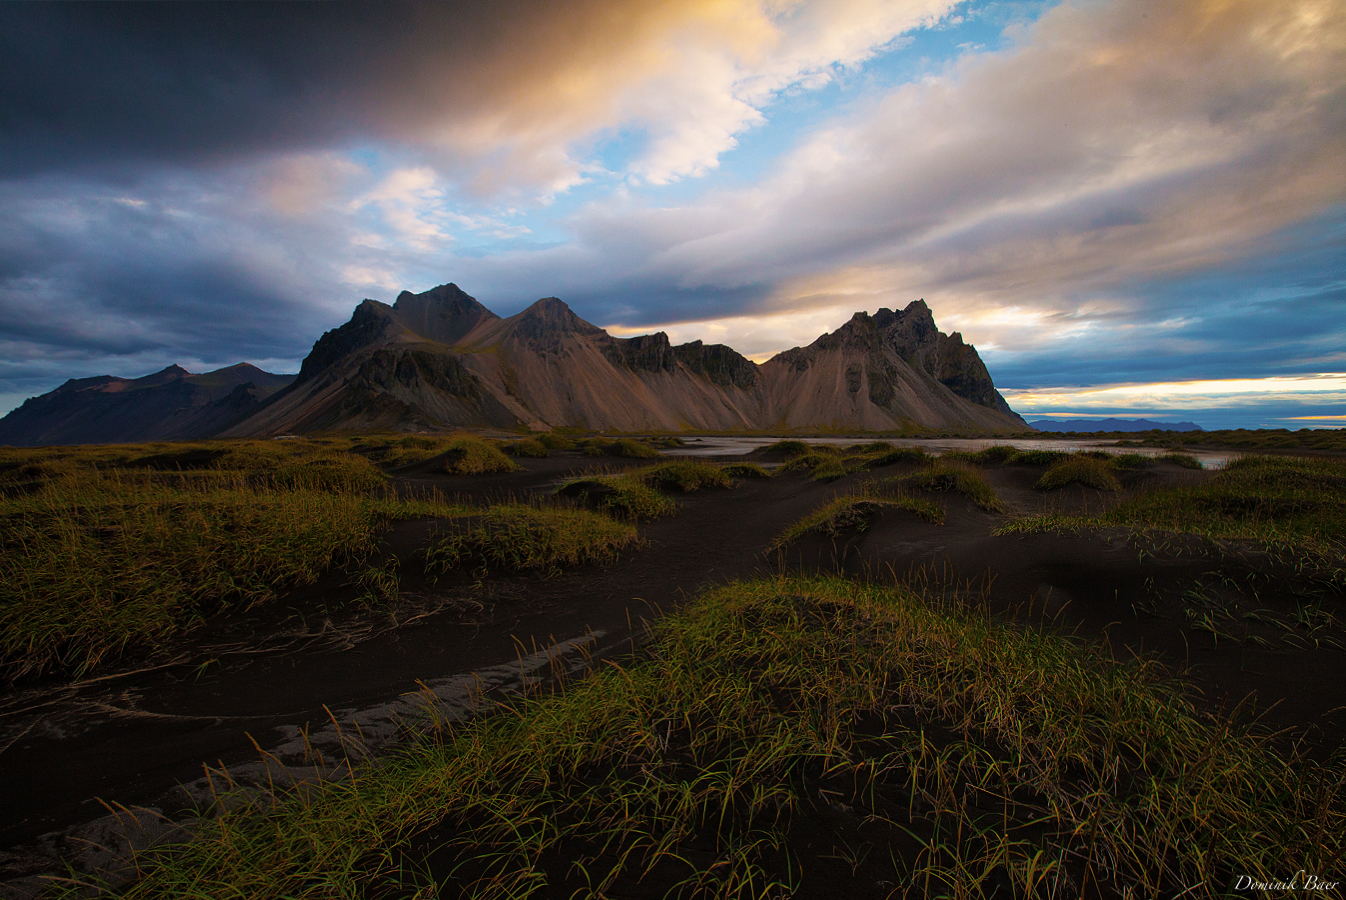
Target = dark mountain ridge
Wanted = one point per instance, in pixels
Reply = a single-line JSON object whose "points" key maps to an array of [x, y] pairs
{"points": [[1110, 424], [440, 359], [171, 404]]}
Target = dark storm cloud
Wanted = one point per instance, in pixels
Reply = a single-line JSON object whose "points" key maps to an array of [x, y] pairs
{"points": [[96, 282], [100, 84], [95, 86], [1245, 339], [497, 90], [1113, 195]]}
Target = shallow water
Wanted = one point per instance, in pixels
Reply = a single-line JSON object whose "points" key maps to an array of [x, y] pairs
{"points": [[733, 445]]}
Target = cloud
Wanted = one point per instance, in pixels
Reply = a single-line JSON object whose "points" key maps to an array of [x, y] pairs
{"points": [[1126, 191], [304, 184], [493, 94], [1037, 194], [87, 277], [1208, 123], [1277, 402]]}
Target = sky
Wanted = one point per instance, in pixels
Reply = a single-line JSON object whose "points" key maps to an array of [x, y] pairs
{"points": [[1130, 208]]}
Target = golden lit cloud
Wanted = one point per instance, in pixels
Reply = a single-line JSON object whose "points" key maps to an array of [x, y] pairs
{"points": [[691, 75], [1315, 389]]}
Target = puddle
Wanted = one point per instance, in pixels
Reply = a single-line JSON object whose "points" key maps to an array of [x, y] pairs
{"points": [[732, 445]]}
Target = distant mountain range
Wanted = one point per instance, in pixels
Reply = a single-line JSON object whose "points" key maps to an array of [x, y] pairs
{"points": [[1111, 425], [441, 359], [171, 404]]}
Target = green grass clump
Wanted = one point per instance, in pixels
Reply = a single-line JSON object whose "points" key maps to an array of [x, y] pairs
{"points": [[631, 449], [787, 448], [901, 454], [826, 464], [1079, 469], [853, 510], [624, 494], [473, 456], [1130, 461], [632, 497], [555, 441], [830, 468], [937, 751], [1294, 506], [685, 475], [101, 564], [1186, 460], [745, 470], [1048, 523], [998, 453], [392, 452], [994, 455], [531, 447], [1296, 502], [517, 537], [108, 553], [1040, 457], [957, 477], [328, 471]]}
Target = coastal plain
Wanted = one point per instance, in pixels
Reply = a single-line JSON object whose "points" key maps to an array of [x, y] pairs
{"points": [[895, 614]]}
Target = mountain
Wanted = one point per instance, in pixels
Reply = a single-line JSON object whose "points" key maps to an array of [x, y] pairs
{"points": [[441, 359], [171, 404], [884, 372], [1111, 425]]}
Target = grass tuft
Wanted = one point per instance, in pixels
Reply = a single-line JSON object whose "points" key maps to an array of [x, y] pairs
{"points": [[517, 537], [624, 494], [1079, 469], [685, 475], [1186, 460], [826, 465], [786, 449], [853, 510], [631, 449], [531, 447], [901, 454], [474, 456], [393, 452], [970, 759], [106, 552], [957, 477], [556, 441], [1295, 503], [1048, 523], [1040, 457]]}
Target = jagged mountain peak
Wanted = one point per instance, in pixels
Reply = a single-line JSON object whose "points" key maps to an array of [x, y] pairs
{"points": [[551, 315], [904, 329], [167, 373], [445, 292], [442, 359], [444, 314]]}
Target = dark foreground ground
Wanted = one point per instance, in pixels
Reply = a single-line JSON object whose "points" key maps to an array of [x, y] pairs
{"points": [[317, 673]]}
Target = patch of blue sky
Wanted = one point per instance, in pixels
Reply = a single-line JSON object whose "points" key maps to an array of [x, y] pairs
{"points": [[795, 112], [970, 28], [789, 118]]}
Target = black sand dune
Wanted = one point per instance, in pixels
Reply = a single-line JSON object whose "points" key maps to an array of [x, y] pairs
{"points": [[268, 678]]}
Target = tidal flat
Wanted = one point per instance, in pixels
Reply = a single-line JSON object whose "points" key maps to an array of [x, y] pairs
{"points": [[562, 665]]}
